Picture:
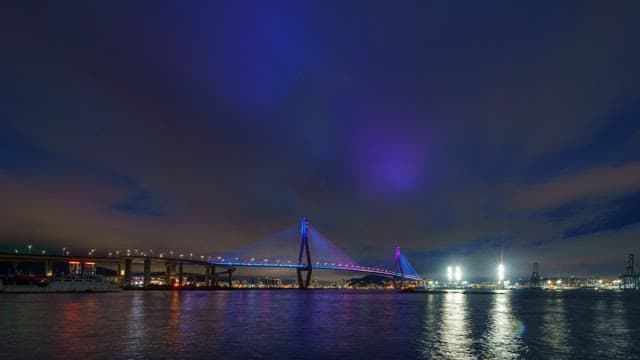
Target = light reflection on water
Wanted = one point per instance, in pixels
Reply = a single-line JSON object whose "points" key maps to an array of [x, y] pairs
{"points": [[446, 331], [454, 333], [610, 328], [136, 328], [554, 327], [503, 337], [319, 324]]}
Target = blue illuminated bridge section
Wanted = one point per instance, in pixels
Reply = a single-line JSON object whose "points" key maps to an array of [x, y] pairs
{"points": [[314, 252], [317, 266]]}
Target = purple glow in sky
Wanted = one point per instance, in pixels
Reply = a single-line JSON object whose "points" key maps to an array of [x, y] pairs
{"points": [[389, 161]]}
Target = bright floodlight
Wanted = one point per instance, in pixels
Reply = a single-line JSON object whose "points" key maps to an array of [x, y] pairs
{"points": [[500, 272], [458, 273], [449, 273]]}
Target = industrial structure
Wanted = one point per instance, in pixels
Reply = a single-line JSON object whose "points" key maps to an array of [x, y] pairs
{"points": [[629, 278], [534, 282]]}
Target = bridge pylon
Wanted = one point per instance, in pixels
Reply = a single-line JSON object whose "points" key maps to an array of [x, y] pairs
{"points": [[398, 262], [304, 251]]}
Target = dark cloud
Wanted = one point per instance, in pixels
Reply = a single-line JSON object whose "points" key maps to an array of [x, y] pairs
{"points": [[140, 204], [565, 212], [623, 212], [427, 125]]}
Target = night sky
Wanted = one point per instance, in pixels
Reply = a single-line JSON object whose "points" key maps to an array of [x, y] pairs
{"points": [[448, 128]]}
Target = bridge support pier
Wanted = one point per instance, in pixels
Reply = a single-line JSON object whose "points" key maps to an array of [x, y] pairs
{"points": [[303, 282], [147, 273], [127, 271], [170, 268], [48, 268], [120, 273], [207, 276], [215, 276], [398, 283], [180, 274]]}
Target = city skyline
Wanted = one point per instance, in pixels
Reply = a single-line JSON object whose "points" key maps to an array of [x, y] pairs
{"points": [[448, 130]]}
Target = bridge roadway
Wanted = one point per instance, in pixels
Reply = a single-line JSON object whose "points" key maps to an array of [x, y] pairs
{"points": [[317, 266], [174, 265], [101, 259]]}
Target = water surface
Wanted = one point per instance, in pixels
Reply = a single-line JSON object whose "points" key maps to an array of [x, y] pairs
{"points": [[320, 324]]}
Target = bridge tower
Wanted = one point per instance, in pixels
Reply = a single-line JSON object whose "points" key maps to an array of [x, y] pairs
{"points": [[304, 251], [398, 263]]}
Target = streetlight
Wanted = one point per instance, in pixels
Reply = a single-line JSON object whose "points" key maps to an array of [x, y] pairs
{"points": [[29, 247], [63, 251]]}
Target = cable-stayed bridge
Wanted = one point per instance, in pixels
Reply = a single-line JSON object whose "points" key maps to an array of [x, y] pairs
{"points": [[315, 252], [301, 248]]}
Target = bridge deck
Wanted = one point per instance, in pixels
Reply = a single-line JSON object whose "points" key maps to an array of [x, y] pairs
{"points": [[317, 266]]}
